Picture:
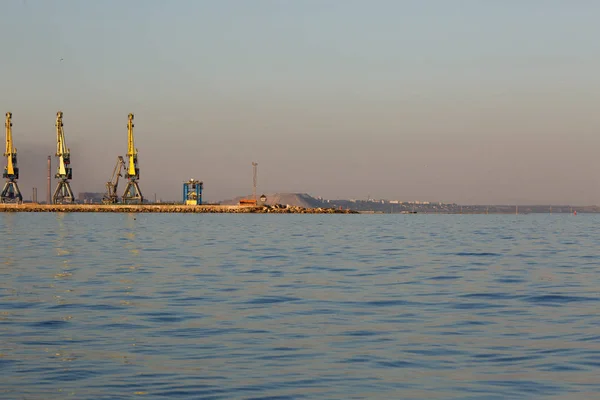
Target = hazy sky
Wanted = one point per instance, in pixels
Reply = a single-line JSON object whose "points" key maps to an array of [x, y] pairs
{"points": [[455, 101]]}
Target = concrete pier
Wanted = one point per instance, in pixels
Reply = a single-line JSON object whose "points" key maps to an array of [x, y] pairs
{"points": [[147, 208]]}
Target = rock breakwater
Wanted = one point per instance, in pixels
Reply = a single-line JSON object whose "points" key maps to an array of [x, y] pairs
{"points": [[146, 208]]}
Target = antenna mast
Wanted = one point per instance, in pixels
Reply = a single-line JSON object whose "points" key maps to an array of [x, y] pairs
{"points": [[254, 165]]}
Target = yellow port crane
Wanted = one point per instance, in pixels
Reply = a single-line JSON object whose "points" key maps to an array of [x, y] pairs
{"points": [[111, 196], [63, 193], [132, 193], [10, 192]]}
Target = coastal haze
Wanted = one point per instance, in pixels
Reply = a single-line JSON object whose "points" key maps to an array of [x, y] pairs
{"points": [[460, 102]]}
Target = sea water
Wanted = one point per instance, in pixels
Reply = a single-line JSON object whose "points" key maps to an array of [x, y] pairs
{"points": [[232, 306]]}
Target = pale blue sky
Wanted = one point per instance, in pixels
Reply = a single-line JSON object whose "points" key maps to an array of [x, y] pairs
{"points": [[456, 101]]}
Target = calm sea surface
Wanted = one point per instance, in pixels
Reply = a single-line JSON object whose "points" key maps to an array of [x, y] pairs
{"points": [[123, 306]]}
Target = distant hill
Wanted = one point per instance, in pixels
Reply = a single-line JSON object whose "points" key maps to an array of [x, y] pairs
{"points": [[293, 199]]}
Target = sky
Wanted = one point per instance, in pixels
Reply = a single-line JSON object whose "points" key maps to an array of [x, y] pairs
{"points": [[472, 102]]}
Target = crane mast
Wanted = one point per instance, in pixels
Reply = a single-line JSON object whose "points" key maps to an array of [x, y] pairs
{"points": [[131, 150], [111, 196], [63, 193], [132, 193], [10, 192]]}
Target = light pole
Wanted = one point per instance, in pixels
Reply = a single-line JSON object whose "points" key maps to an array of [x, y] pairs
{"points": [[254, 165]]}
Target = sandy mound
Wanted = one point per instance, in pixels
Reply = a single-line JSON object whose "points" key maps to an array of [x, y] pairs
{"points": [[293, 199]]}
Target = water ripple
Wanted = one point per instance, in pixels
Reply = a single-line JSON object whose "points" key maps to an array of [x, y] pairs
{"points": [[299, 306]]}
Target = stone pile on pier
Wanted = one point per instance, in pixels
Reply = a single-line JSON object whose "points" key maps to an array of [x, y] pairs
{"points": [[151, 208]]}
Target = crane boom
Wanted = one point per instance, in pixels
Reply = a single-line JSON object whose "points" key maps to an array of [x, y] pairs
{"points": [[111, 196], [10, 192], [11, 152], [62, 151], [131, 150]]}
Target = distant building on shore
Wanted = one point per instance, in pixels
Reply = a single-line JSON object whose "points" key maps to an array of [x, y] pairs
{"points": [[89, 197]]}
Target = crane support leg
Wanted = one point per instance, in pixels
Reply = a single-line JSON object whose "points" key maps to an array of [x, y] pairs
{"points": [[63, 193], [133, 194], [11, 193]]}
